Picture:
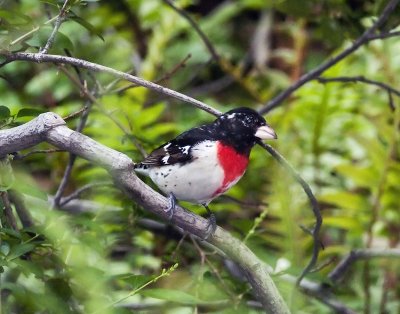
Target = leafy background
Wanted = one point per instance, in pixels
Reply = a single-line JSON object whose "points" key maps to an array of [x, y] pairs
{"points": [[342, 137]]}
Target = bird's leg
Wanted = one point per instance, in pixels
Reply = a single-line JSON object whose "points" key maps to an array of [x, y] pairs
{"points": [[212, 222], [172, 201]]}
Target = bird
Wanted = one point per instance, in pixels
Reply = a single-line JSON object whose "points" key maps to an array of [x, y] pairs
{"points": [[204, 162]]}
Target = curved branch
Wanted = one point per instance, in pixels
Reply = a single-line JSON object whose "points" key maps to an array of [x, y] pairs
{"points": [[361, 254], [38, 58], [314, 205], [51, 128], [366, 37]]}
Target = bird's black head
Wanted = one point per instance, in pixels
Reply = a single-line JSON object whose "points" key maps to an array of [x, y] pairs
{"points": [[242, 127]]}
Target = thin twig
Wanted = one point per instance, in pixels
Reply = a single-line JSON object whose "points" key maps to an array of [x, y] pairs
{"points": [[60, 19], [178, 246], [383, 35], [362, 254], [76, 113], [68, 169], [35, 29], [94, 100], [64, 181], [314, 205], [165, 77], [204, 259], [224, 64], [362, 79], [35, 57], [203, 36], [391, 102], [79, 128], [364, 38], [175, 69], [76, 194]]}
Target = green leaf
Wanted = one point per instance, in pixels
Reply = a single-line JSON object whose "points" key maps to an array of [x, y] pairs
{"points": [[345, 200], [39, 39], [5, 248], [135, 281], [171, 295], [363, 177], [92, 30], [60, 286], [4, 112], [30, 189], [343, 222], [50, 2], [20, 249], [15, 18], [11, 232], [7, 178], [29, 112], [149, 115]]}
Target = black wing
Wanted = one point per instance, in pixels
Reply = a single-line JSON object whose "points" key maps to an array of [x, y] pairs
{"points": [[178, 150], [168, 154]]}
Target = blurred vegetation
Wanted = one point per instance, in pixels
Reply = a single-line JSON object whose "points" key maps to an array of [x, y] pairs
{"points": [[342, 137]]}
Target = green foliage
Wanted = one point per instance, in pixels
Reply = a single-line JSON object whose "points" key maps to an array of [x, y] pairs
{"points": [[342, 138]]}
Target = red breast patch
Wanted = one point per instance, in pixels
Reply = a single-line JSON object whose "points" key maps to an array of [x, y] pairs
{"points": [[233, 164]]}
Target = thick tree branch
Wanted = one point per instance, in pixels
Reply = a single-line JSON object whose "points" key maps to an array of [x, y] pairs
{"points": [[366, 37], [51, 128]]}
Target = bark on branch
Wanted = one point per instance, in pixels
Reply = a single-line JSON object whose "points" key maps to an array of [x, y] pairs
{"points": [[51, 128]]}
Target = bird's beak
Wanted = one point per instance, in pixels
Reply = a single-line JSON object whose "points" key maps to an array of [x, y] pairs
{"points": [[265, 132]]}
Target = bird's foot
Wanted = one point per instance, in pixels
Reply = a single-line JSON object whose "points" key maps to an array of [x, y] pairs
{"points": [[212, 223], [211, 227], [172, 201]]}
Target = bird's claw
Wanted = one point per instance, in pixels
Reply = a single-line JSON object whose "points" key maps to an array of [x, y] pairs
{"points": [[171, 205], [211, 227]]}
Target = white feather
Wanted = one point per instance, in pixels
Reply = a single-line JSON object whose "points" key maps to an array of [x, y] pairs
{"points": [[195, 181]]}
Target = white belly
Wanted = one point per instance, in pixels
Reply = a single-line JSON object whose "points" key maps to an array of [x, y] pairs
{"points": [[195, 182]]}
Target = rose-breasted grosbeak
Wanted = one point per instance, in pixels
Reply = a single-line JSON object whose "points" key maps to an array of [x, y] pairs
{"points": [[204, 162]]}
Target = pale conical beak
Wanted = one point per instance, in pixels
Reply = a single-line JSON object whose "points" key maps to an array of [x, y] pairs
{"points": [[265, 132]]}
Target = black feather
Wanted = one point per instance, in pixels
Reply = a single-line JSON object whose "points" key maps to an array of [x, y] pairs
{"points": [[236, 128]]}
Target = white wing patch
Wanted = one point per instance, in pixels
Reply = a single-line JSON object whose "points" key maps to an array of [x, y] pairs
{"points": [[165, 159], [185, 149]]}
